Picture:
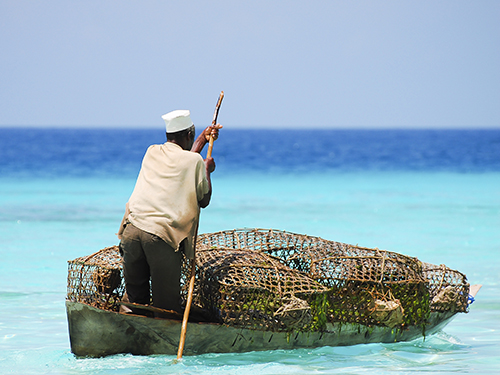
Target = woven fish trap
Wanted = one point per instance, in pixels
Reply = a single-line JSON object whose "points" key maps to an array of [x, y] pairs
{"points": [[358, 280], [448, 289], [251, 289], [96, 279], [280, 281], [362, 279]]}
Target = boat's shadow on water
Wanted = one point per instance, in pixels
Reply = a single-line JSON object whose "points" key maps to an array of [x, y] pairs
{"points": [[440, 343], [440, 352], [437, 353]]}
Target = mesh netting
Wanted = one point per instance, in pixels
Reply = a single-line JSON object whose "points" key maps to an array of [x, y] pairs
{"points": [[247, 288], [97, 279], [359, 285], [280, 281], [448, 289]]}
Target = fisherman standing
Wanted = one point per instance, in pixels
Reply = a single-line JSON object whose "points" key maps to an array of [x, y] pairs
{"points": [[161, 218]]}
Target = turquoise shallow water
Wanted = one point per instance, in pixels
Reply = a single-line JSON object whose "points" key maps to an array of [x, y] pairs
{"points": [[439, 217]]}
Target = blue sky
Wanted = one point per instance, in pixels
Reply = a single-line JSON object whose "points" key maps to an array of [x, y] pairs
{"points": [[310, 64]]}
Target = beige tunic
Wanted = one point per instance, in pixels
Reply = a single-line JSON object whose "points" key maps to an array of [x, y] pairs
{"points": [[165, 198]]}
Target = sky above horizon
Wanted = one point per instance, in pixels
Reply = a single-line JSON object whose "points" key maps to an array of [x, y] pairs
{"points": [[316, 64]]}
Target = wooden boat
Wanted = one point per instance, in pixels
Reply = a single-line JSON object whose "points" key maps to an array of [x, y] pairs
{"points": [[96, 332], [97, 328]]}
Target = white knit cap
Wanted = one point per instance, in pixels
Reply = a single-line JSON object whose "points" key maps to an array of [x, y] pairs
{"points": [[178, 120]]}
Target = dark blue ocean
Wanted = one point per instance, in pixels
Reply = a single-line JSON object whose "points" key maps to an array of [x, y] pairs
{"points": [[109, 152], [431, 194]]}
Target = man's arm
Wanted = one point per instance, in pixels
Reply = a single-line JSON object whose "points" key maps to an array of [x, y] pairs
{"points": [[204, 137], [209, 168]]}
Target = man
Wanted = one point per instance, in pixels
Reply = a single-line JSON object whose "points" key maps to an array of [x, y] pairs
{"points": [[161, 218]]}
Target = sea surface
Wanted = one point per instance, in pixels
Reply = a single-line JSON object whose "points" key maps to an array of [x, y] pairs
{"points": [[431, 194]]}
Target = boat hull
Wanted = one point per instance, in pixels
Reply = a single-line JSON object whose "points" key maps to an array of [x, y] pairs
{"points": [[98, 333]]}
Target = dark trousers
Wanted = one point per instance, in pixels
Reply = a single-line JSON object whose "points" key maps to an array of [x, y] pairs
{"points": [[146, 256]]}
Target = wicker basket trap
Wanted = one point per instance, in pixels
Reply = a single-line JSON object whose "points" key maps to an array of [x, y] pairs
{"points": [[279, 281], [97, 279]]}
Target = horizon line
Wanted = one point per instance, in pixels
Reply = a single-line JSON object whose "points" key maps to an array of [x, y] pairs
{"points": [[256, 127]]}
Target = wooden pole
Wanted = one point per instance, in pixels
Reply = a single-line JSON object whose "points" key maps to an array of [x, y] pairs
{"points": [[214, 122], [182, 339]]}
